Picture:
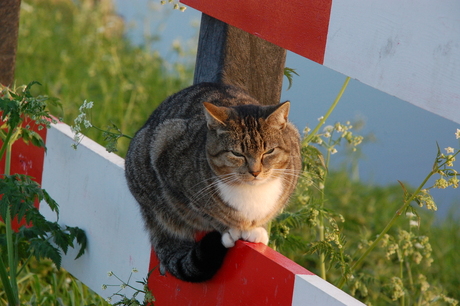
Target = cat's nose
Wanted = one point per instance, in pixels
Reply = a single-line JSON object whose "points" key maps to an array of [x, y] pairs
{"points": [[254, 173]]}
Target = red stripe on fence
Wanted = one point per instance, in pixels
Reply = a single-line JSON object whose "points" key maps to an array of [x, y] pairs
{"points": [[252, 274], [27, 159], [296, 25]]}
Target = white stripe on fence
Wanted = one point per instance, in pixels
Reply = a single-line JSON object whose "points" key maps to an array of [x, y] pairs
{"points": [[90, 188]]}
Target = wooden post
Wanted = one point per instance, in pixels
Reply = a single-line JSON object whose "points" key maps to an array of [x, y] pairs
{"points": [[229, 55], [9, 25]]}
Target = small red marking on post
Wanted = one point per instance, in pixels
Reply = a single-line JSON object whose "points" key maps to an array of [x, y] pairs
{"points": [[296, 25], [252, 274]]}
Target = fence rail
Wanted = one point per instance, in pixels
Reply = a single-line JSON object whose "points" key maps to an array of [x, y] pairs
{"points": [[89, 185]]}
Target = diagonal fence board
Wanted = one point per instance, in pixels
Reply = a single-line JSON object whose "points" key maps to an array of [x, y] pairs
{"points": [[252, 274], [407, 49], [90, 188]]}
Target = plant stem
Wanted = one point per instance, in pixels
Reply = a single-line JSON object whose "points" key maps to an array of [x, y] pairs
{"points": [[11, 258], [5, 145], [12, 300], [305, 142], [409, 275], [387, 227], [112, 133], [401, 274], [328, 113], [8, 160], [10, 246], [322, 256]]}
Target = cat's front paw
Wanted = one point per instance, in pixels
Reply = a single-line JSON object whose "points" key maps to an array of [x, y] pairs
{"points": [[230, 237], [257, 235]]}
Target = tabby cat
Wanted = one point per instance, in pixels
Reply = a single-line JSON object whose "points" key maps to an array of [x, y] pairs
{"points": [[211, 159]]}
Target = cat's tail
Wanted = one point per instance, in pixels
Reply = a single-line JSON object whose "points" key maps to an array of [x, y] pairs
{"points": [[192, 261]]}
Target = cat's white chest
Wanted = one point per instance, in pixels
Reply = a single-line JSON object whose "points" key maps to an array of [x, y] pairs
{"points": [[254, 202]]}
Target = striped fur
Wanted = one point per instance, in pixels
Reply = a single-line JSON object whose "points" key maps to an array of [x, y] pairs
{"points": [[211, 159]]}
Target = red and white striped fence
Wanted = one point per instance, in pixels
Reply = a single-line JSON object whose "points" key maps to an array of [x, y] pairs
{"points": [[89, 185], [405, 48]]}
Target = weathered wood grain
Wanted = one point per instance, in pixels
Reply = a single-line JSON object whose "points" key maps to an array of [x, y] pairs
{"points": [[230, 55], [9, 24]]}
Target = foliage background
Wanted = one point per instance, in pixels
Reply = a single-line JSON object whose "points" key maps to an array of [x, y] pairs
{"points": [[78, 50]]}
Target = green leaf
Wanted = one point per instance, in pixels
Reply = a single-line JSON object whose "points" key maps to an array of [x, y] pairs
{"points": [[289, 74], [44, 249], [79, 234], [62, 239], [37, 140], [25, 135], [51, 203]]}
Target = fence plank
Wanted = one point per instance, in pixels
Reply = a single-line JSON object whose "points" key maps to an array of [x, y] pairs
{"points": [[90, 188], [405, 49], [252, 274]]}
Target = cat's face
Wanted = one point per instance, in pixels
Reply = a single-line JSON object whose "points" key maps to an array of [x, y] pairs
{"points": [[245, 144]]}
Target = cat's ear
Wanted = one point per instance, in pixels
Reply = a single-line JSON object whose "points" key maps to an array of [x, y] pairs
{"points": [[215, 115], [278, 118]]}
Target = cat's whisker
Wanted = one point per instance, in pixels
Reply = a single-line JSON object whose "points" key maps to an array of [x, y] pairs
{"points": [[210, 190]]}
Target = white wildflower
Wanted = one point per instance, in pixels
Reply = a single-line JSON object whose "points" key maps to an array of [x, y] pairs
{"points": [[86, 105], [339, 127], [328, 128], [87, 124]]}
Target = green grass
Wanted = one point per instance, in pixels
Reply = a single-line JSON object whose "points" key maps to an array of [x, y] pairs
{"points": [[42, 284], [78, 51], [367, 209]]}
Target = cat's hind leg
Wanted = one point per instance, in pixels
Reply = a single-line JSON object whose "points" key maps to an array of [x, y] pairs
{"points": [[191, 261]]}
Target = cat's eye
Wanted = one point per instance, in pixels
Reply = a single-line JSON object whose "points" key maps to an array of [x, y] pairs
{"points": [[270, 151], [237, 154]]}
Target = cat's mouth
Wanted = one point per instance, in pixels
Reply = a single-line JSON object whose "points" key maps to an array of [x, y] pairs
{"points": [[255, 181]]}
